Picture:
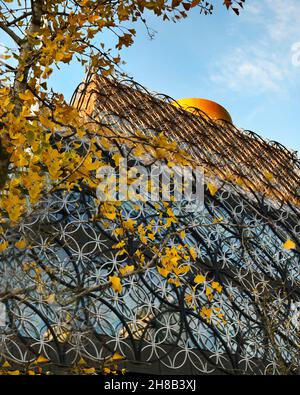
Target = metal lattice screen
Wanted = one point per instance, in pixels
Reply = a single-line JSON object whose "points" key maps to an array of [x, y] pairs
{"points": [[250, 327]]}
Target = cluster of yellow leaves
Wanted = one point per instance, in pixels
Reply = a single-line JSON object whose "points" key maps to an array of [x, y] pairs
{"points": [[110, 366], [209, 289], [115, 281], [171, 218], [34, 183], [217, 286], [40, 366], [208, 312], [71, 33], [32, 112], [33, 369], [142, 233], [35, 121], [14, 205], [162, 148], [6, 369], [39, 165], [25, 134], [53, 159], [129, 224], [109, 210], [128, 269], [172, 263]]}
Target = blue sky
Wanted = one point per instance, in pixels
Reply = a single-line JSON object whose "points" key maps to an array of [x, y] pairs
{"points": [[244, 63]]}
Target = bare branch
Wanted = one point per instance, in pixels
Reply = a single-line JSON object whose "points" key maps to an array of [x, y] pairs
{"points": [[20, 18], [8, 66], [11, 33]]}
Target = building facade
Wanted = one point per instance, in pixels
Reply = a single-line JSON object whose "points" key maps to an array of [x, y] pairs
{"points": [[245, 238]]}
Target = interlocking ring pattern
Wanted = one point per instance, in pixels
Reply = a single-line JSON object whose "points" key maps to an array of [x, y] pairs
{"points": [[150, 321]]}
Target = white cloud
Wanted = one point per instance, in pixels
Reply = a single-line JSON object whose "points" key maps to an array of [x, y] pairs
{"points": [[279, 19], [253, 8], [283, 19], [242, 71], [296, 54], [264, 62]]}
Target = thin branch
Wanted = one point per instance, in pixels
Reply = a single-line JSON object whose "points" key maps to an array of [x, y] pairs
{"points": [[8, 66], [11, 33], [23, 16]]}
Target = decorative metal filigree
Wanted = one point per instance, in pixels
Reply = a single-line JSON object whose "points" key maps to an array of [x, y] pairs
{"points": [[238, 236]]}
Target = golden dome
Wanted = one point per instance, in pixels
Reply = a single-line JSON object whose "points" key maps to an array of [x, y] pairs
{"points": [[214, 110]]}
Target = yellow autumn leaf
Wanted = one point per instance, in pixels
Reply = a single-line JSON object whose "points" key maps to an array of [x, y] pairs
{"points": [[40, 359], [21, 244], [89, 370], [140, 256], [138, 151], [209, 293], [126, 270], [59, 55], [50, 299], [117, 356], [6, 365], [289, 245], [206, 312], [27, 95], [151, 236], [90, 165], [212, 188], [13, 372], [81, 362], [115, 283], [181, 270], [3, 245], [199, 279], [175, 281], [170, 212], [217, 286], [193, 253], [15, 213], [161, 153], [109, 214], [118, 231], [119, 245], [129, 224], [188, 298], [20, 78], [163, 271], [268, 175], [182, 234], [46, 122], [117, 157], [218, 220]]}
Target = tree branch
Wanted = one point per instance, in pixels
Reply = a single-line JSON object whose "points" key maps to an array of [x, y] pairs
{"points": [[7, 66], [11, 33], [14, 21]]}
